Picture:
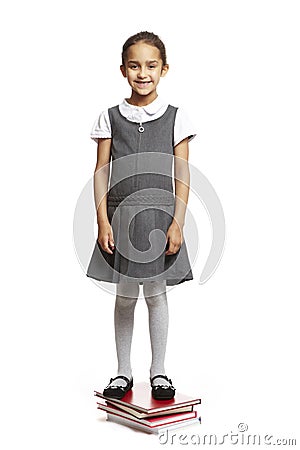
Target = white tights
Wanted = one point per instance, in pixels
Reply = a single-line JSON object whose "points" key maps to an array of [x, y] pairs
{"points": [[155, 296]]}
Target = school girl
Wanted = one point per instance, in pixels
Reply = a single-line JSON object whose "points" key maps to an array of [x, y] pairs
{"points": [[140, 221]]}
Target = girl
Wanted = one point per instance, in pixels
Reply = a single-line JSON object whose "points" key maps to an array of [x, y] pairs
{"points": [[141, 136]]}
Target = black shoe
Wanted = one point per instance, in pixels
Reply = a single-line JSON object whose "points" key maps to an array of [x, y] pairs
{"points": [[118, 391], [160, 391]]}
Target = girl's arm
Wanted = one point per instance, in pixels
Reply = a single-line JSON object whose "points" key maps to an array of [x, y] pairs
{"points": [[101, 178], [182, 188], [182, 180]]}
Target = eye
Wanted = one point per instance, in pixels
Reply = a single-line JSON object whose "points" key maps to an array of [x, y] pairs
{"points": [[152, 66], [133, 66]]}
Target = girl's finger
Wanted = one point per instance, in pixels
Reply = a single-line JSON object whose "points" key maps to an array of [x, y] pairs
{"points": [[105, 247], [173, 248], [170, 250]]}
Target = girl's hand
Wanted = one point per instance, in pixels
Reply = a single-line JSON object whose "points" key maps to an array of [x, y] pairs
{"points": [[174, 238], [105, 237]]}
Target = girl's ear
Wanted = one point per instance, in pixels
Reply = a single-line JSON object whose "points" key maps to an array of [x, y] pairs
{"points": [[164, 70], [123, 70]]}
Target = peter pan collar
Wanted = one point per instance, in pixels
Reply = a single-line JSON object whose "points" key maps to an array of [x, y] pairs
{"points": [[132, 112]]}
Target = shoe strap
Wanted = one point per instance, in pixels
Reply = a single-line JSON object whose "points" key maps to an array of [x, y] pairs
{"points": [[160, 376], [121, 376]]}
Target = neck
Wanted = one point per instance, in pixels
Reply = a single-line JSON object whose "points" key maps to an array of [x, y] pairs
{"points": [[141, 100]]}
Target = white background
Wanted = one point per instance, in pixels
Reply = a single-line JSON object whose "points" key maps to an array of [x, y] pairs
{"points": [[234, 66]]}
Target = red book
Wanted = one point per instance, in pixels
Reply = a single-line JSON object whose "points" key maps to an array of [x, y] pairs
{"points": [[140, 399], [151, 421], [142, 415], [154, 430]]}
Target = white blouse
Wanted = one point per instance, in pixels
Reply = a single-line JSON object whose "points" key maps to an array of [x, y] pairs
{"points": [[183, 127]]}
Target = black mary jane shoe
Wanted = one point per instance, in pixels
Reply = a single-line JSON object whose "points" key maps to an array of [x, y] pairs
{"points": [[160, 391], [118, 391]]}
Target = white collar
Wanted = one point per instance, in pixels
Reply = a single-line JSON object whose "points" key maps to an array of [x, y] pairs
{"points": [[131, 111]]}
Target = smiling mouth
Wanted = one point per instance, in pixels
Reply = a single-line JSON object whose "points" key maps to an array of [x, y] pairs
{"points": [[142, 83]]}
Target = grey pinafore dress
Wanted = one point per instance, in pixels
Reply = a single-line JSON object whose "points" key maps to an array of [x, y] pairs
{"points": [[140, 204]]}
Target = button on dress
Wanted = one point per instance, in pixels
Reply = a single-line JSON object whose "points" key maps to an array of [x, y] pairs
{"points": [[140, 204]]}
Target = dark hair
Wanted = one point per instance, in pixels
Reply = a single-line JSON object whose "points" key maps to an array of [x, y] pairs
{"points": [[148, 38]]}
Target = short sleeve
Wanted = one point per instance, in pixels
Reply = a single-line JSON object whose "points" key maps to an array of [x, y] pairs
{"points": [[183, 127], [101, 127]]}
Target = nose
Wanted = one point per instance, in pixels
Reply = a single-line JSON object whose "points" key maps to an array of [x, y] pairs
{"points": [[142, 72]]}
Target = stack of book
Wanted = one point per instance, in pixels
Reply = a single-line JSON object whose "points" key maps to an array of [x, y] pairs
{"points": [[138, 409]]}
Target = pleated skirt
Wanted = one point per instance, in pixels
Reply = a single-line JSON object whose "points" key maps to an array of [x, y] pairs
{"points": [[139, 227]]}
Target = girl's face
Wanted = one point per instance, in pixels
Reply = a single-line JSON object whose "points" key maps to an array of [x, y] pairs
{"points": [[143, 69]]}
